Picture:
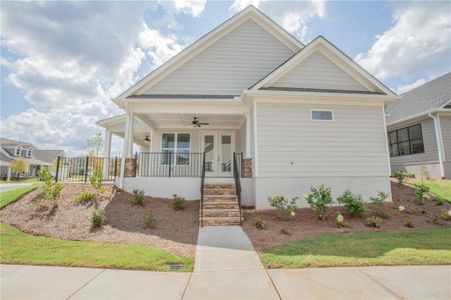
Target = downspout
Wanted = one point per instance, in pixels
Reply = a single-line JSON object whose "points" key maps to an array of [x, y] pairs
{"points": [[438, 137]]}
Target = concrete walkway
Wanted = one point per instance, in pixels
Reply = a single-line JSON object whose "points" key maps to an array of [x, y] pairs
{"points": [[12, 186]]}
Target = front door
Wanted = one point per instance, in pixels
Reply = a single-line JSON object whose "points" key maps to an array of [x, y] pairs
{"points": [[219, 147]]}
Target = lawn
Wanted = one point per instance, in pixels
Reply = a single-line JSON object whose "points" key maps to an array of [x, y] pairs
{"points": [[440, 188], [11, 196], [363, 249], [21, 248]]}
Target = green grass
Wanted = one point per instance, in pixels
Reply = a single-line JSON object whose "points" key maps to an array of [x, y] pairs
{"points": [[363, 249], [11, 196], [440, 188], [13, 180], [21, 248]]}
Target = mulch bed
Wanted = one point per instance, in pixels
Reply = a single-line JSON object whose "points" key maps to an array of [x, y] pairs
{"points": [[175, 231], [305, 224]]}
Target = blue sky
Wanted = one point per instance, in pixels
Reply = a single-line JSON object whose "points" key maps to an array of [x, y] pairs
{"points": [[63, 61]]}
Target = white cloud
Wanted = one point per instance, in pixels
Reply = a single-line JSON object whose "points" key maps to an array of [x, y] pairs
{"points": [[407, 87], [190, 7], [293, 16], [418, 43], [70, 58]]}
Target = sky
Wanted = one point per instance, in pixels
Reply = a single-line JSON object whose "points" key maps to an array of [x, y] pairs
{"points": [[62, 62]]}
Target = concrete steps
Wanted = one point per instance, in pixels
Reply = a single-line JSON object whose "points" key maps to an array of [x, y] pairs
{"points": [[220, 205]]}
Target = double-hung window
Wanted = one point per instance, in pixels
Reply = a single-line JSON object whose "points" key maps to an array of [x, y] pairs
{"points": [[175, 148], [406, 141]]}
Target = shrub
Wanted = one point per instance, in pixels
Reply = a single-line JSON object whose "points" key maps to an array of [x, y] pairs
{"points": [[286, 208], [352, 203], [375, 222], [84, 197], [149, 218], [425, 173], [400, 176], [379, 204], [138, 197], [178, 202], [340, 221], [258, 223], [319, 199], [96, 180], [98, 218], [51, 192], [421, 193]]}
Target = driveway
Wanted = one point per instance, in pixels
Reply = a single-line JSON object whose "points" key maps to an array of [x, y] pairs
{"points": [[12, 186], [227, 267]]}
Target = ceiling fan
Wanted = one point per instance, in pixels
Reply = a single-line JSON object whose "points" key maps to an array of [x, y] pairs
{"points": [[197, 123]]}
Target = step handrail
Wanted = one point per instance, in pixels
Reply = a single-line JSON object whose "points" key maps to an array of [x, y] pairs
{"points": [[236, 176]]}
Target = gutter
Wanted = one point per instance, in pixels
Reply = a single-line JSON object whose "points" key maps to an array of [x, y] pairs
{"points": [[438, 137]]}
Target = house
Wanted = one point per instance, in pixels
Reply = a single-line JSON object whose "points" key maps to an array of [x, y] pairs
{"points": [[419, 130], [268, 115], [36, 159]]}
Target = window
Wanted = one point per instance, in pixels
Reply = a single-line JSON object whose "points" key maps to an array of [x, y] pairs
{"points": [[406, 141], [29, 153], [321, 115], [175, 148], [18, 151]]}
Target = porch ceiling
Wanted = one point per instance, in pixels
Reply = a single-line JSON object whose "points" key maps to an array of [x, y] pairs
{"points": [[172, 120]]}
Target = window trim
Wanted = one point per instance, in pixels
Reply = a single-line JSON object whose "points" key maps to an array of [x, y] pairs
{"points": [[409, 140], [18, 149], [175, 146], [29, 153], [321, 109]]}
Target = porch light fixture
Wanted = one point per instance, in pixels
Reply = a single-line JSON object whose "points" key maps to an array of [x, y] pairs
{"points": [[147, 140]]}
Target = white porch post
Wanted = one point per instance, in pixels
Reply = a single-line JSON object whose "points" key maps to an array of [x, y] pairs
{"points": [[248, 136], [8, 175], [127, 150], [107, 153]]}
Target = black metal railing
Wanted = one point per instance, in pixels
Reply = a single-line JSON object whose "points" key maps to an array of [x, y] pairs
{"points": [[80, 169], [202, 184], [169, 164], [236, 176]]}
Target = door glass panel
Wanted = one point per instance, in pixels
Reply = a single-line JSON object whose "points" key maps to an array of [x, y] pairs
{"points": [[209, 149], [226, 153]]}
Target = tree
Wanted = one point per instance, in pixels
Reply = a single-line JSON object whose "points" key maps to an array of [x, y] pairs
{"points": [[19, 166], [95, 143]]}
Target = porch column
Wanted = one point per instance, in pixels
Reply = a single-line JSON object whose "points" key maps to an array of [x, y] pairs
{"points": [[248, 136], [107, 154], [8, 174], [127, 150]]}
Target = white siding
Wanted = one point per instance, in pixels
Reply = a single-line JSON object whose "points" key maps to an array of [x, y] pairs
{"points": [[241, 138], [229, 66], [318, 72], [290, 145]]}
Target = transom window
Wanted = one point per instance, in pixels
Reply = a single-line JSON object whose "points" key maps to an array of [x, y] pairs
{"points": [[321, 115], [175, 148], [406, 141]]}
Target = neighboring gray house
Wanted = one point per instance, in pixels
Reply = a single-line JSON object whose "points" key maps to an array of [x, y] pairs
{"points": [[293, 115], [36, 159], [419, 130]]}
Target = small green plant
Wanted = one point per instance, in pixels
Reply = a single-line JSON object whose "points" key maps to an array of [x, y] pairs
{"points": [[85, 197], [258, 223], [138, 197], [149, 218], [51, 192], [340, 221], [408, 224], [445, 215], [400, 176], [97, 218], [379, 204], [439, 201], [352, 203], [96, 180], [375, 222], [319, 199], [422, 193], [178, 202], [286, 208], [425, 173]]}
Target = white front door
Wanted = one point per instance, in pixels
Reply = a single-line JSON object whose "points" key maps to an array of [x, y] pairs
{"points": [[219, 147]]}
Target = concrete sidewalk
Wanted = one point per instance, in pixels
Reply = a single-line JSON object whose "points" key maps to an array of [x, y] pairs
{"points": [[12, 186]]}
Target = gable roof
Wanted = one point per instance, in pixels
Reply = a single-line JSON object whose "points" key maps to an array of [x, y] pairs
{"points": [[7, 143], [345, 62], [425, 98], [191, 51], [48, 156]]}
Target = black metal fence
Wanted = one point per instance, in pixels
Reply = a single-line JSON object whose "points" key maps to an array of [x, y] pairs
{"points": [[80, 169], [169, 164]]}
